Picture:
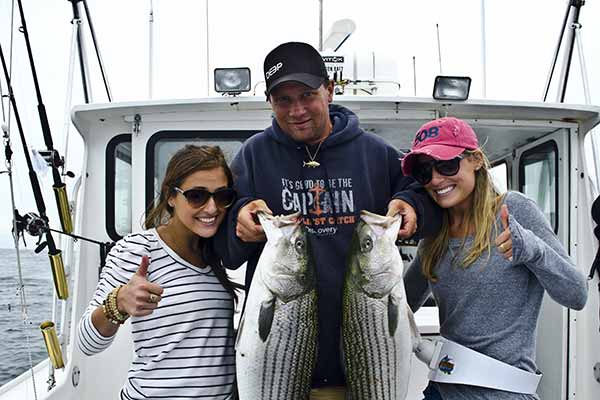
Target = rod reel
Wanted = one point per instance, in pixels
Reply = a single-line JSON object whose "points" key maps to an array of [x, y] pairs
{"points": [[31, 223], [37, 226], [53, 158]]}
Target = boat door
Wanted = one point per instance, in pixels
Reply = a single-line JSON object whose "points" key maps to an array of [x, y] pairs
{"points": [[541, 170]]}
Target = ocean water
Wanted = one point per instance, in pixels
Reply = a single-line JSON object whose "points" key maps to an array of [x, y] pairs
{"points": [[37, 280]]}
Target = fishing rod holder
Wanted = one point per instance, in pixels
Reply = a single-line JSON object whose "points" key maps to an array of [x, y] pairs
{"points": [[52, 344], [104, 247], [38, 226]]}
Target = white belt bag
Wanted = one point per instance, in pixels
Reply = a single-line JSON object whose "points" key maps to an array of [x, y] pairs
{"points": [[450, 362]]}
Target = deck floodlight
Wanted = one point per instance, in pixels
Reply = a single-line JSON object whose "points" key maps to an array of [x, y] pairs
{"points": [[451, 87], [232, 80]]}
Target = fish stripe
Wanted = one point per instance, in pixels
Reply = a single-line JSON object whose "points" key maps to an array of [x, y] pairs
{"points": [[371, 354], [303, 345], [374, 316], [264, 368], [290, 350]]}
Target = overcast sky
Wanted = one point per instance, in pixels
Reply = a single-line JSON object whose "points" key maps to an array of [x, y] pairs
{"points": [[521, 37]]}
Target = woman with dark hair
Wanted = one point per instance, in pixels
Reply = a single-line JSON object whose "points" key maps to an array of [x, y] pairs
{"points": [[173, 287]]}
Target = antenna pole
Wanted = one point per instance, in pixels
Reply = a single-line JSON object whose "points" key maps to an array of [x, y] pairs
{"points": [[207, 54], [437, 28], [483, 50], [320, 25], [415, 74], [151, 50]]}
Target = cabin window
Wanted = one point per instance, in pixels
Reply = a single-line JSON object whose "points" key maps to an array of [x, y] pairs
{"points": [[499, 174], [538, 173], [118, 186], [163, 145]]}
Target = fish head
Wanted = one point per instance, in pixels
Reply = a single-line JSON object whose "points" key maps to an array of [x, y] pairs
{"points": [[290, 270], [375, 262]]}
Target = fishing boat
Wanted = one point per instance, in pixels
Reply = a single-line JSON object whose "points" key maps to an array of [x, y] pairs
{"points": [[538, 148]]}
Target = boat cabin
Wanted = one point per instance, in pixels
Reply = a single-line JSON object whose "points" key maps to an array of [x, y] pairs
{"points": [[540, 149]]}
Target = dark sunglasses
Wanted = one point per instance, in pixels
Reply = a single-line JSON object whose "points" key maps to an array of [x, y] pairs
{"points": [[198, 197], [422, 171]]}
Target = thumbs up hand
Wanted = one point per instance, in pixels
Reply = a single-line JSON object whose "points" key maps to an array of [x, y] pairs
{"points": [[139, 297], [503, 240]]}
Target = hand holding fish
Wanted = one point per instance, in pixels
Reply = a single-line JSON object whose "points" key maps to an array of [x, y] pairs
{"points": [[503, 240], [248, 228], [409, 217], [139, 297]]}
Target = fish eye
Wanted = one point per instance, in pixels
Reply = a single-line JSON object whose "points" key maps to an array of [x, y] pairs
{"points": [[299, 245], [366, 245]]}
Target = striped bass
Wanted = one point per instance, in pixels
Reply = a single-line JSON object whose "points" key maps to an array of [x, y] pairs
{"points": [[276, 345], [377, 324]]}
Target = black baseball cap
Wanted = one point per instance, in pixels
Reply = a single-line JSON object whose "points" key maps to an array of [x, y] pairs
{"points": [[294, 61]]}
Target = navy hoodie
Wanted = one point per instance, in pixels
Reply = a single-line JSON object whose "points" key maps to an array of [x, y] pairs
{"points": [[358, 171]]}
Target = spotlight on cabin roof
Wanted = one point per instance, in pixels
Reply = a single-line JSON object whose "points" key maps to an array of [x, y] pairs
{"points": [[451, 87], [232, 81]]}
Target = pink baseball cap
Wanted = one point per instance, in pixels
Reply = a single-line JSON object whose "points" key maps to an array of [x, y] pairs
{"points": [[442, 139]]}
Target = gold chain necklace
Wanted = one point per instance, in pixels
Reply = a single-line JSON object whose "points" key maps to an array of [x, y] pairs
{"points": [[312, 163]]}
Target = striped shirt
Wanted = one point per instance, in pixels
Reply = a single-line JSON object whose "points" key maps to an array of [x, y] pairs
{"points": [[184, 349]]}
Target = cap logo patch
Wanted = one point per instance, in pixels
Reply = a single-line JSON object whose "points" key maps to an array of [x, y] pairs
{"points": [[273, 70], [425, 134]]}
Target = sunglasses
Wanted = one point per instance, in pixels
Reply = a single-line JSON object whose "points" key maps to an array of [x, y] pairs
{"points": [[198, 197], [423, 171]]}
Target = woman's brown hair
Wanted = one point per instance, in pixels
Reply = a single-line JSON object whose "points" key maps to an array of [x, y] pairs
{"points": [[184, 163]]}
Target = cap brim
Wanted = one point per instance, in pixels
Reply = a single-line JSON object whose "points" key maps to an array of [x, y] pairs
{"points": [[436, 151], [309, 80]]}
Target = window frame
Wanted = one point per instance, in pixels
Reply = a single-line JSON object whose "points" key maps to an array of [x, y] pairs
{"points": [[542, 149], [508, 166], [110, 164], [241, 135]]}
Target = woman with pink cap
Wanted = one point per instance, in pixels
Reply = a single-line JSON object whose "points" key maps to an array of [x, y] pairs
{"points": [[491, 262]]}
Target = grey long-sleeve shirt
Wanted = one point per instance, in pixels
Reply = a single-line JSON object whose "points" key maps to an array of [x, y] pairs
{"points": [[493, 306]]}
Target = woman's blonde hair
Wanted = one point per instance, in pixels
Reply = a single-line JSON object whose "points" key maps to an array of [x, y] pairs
{"points": [[480, 219]]}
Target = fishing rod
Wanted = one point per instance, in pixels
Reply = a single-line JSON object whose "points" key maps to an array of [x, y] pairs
{"points": [[55, 255], [51, 156], [8, 153], [82, 67], [96, 47], [570, 21]]}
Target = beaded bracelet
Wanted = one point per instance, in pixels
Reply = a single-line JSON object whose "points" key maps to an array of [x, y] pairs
{"points": [[110, 309], [107, 314], [122, 317]]}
